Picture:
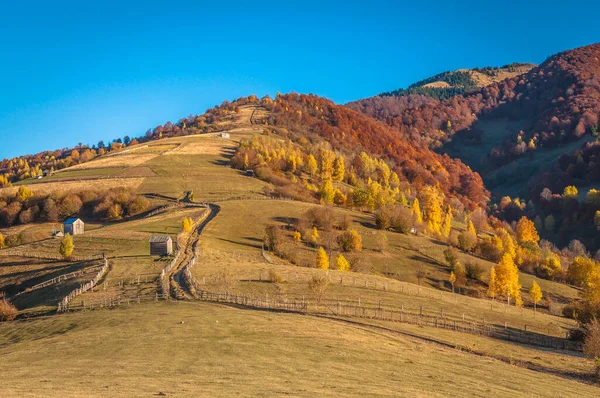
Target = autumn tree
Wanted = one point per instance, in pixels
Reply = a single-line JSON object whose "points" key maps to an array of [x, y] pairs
{"points": [[471, 228], [23, 194], [447, 223], [467, 240], [188, 223], [452, 280], [311, 165], [526, 232], [2, 242], [322, 259], [507, 279], [341, 263], [492, 284], [326, 160], [67, 246], [350, 241], [536, 294], [416, 211], [460, 275], [327, 191], [432, 209], [339, 168]]}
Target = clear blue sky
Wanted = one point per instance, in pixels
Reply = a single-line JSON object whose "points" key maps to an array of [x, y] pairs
{"points": [[79, 72]]}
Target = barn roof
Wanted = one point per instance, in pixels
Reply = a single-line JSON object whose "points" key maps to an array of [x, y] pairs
{"points": [[71, 220], [160, 239]]}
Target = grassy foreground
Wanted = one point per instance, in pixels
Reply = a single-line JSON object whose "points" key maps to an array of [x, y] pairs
{"points": [[201, 349]]}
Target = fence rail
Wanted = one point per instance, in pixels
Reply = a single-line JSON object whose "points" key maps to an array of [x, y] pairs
{"points": [[378, 312], [56, 280], [63, 305]]}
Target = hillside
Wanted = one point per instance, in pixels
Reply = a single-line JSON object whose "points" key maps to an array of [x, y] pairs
{"points": [[522, 134], [447, 84], [241, 289]]}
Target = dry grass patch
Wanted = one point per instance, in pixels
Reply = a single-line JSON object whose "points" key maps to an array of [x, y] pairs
{"points": [[133, 353]]}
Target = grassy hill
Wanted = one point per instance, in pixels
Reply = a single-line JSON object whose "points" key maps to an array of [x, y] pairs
{"points": [[198, 349], [191, 347]]}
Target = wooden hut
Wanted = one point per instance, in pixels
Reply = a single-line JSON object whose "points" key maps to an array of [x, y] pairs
{"points": [[161, 246], [74, 226]]}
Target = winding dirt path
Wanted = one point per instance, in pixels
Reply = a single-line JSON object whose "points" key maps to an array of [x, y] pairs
{"points": [[179, 288]]}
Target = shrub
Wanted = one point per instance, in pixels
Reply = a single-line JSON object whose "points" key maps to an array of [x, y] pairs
{"points": [[138, 205], [276, 277], [467, 241], [451, 256], [8, 312], [591, 344], [67, 246], [474, 270], [350, 241], [403, 220], [70, 205], [383, 218], [13, 240], [273, 238]]}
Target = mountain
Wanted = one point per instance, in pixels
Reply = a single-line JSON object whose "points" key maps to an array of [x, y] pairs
{"points": [[447, 84], [522, 134]]}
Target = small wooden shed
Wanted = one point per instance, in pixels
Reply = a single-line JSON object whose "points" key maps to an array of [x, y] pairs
{"points": [[74, 226], [161, 246]]}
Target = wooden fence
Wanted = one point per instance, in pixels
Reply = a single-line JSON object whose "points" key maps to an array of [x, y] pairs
{"points": [[47, 256], [56, 280], [337, 308], [63, 305]]}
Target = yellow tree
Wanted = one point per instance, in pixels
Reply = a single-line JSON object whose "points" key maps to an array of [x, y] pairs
{"points": [[297, 236], [452, 279], [187, 224], [432, 209], [314, 236], [570, 192], [2, 242], [508, 244], [471, 228], [67, 246], [339, 169], [492, 283], [416, 211], [536, 294], [342, 264], [326, 159], [447, 223], [322, 259], [526, 232], [507, 279], [327, 191], [23, 194]]}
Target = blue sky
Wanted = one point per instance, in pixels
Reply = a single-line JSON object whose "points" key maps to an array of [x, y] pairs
{"points": [[75, 72]]}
